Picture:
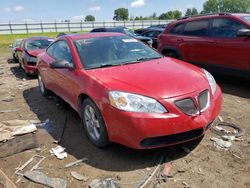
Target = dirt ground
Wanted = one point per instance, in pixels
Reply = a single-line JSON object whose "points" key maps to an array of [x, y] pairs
{"points": [[205, 166]]}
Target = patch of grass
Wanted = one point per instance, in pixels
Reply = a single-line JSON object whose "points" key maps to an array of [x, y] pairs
{"points": [[8, 39]]}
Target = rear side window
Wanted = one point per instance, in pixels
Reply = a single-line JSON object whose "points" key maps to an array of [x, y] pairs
{"points": [[177, 29], [226, 28], [196, 28]]}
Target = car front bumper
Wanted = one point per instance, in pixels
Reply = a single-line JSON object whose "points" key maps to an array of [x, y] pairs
{"points": [[30, 69], [145, 131]]}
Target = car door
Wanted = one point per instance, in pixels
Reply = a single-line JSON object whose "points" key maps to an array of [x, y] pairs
{"points": [[63, 80], [195, 44], [229, 50]]}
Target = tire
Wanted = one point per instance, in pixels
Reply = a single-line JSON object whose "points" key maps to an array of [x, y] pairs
{"points": [[93, 123], [44, 91], [20, 66], [15, 60]]}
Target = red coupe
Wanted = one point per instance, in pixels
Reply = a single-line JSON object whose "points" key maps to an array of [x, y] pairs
{"points": [[28, 51], [126, 92]]}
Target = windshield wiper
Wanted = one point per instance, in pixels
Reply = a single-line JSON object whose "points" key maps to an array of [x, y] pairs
{"points": [[147, 58], [139, 60], [106, 65], [130, 62]]}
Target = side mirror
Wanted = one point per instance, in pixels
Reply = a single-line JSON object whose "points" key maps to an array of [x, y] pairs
{"points": [[62, 64], [243, 33]]}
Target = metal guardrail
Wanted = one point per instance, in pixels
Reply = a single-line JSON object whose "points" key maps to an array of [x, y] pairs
{"points": [[40, 27]]}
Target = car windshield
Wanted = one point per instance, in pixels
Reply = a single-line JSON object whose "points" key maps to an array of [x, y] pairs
{"points": [[38, 44], [246, 18], [113, 51]]}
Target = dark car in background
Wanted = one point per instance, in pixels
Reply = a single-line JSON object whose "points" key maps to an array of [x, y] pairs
{"points": [[16, 44], [28, 51], [218, 42], [142, 30], [126, 31], [153, 34]]}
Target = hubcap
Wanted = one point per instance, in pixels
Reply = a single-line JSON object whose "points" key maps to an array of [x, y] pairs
{"points": [[92, 123], [40, 82]]}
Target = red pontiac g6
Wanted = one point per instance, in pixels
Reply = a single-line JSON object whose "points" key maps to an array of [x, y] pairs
{"points": [[128, 93]]}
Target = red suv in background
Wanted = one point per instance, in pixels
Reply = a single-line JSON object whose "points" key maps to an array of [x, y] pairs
{"points": [[219, 42]]}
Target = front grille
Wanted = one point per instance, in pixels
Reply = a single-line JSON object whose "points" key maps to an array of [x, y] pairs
{"points": [[189, 107], [172, 139], [203, 99]]}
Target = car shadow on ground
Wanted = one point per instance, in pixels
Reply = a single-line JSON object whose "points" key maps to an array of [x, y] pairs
{"points": [[111, 158], [234, 85], [20, 74]]}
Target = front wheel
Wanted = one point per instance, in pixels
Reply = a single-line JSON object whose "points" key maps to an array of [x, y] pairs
{"points": [[94, 124], [44, 91]]}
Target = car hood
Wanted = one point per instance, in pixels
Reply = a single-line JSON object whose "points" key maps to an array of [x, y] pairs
{"points": [[35, 53], [162, 78]]}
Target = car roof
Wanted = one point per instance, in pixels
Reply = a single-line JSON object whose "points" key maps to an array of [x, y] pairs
{"points": [[155, 29], [159, 26], [206, 16], [110, 28], [92, 35], [213, 15]]}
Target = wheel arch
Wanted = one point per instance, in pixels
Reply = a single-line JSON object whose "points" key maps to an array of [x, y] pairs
{"points": [[174, 49], [81, 98]]}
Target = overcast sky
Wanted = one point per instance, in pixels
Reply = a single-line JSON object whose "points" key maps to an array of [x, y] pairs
{"points": [[49, 10]]}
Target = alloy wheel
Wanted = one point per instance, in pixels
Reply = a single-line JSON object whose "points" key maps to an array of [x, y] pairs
{"points": [[92, 123]]}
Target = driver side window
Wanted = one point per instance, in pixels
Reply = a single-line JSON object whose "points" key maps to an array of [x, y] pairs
{"points": [[60, 51]]}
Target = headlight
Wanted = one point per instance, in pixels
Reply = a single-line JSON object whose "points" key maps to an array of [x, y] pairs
{"points": [[211, 81], [135, 103], [32, 59]]}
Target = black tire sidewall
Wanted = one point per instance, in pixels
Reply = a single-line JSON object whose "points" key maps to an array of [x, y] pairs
{"points": [[103, 140], [46, 91]]}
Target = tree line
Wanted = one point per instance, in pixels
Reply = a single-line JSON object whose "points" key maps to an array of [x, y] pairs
{"points": [[210, 6]]}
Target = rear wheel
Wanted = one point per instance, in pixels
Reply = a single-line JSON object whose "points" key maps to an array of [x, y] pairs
{"points": [[94, 124], [44, 91]]}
